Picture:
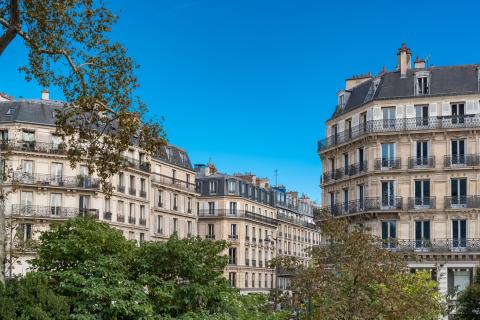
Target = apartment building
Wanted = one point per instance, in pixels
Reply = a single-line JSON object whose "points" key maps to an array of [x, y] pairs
{"points": [[296, 231], [154, 197], [402, 156]]}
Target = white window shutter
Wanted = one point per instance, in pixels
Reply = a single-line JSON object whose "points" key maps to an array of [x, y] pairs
{"points": [[432, 109], [409, 111], [470, 107], [400, 112], [446, 110], [377, 113]]}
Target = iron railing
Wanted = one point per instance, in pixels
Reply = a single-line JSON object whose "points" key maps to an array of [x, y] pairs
{"points": [[107, 215], [53, 212], [32, 146], [142, 221], [434, 245], [137, 164], [37, 179], [284, 217], [347, 171], [120, 218], [387, 164], [163, 179], [236, 214], [420, 163], [366, 205], [461, 202], [461, 160], [418, 203]]}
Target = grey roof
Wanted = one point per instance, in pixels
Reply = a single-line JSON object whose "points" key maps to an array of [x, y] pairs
{"points": [[42, 112], [449, 80]]}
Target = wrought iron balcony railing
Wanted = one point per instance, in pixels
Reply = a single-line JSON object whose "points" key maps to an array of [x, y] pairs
{"points": [[107, 215], [284, 217], [347, 171], [366, 205], [53, 212], [137, 164], [121, 189], [132, 220], [132, 191], [142, 221], [421, 163], [236, 214], [462, 202], [434, 245], [387, 164], [32, 146], [418, 203], [120, 218], [163, 179], [462, 160], [400, 125], [37, 179]]}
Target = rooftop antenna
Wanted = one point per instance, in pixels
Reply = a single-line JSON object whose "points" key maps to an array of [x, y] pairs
{"points": [[276, 178], [426, 60]]}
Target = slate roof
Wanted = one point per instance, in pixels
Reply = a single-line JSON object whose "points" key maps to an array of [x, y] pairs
{"points": [[42, 112], [449, 80]]}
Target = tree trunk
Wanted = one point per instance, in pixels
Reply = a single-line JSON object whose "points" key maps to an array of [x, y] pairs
{"points": [[14, 26], [3, 241]]}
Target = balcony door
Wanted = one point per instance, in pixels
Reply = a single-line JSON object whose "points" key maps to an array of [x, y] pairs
{"points": [[55, 203], [26, 199], [388, 155], [421, 115], [389, 233], [389, 117], [361, 197], [346, 163], [388, 194], [459, 192], [421, 152], [361, 159], [458, 152], [233, 208], [458, 113], [459, 233], [422, 193], [56, 172], [422, 233], [84, 204]]}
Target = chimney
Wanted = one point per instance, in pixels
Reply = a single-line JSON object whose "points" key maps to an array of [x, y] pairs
{"points": [[404, 60], [45, 94], [202, 169], [355, 80], [419, 63]]}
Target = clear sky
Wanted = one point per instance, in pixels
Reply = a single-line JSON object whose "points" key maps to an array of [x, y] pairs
{"points": [[248, 84]]}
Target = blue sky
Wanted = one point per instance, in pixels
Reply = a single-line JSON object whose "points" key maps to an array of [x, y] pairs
{"points": [[248, 84]]}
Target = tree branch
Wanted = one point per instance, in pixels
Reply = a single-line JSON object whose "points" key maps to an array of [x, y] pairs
{"points": [[12, 27]]}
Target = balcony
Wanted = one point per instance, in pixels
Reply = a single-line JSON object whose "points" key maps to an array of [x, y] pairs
{"points": [[236, 214], [60, 181], [52, 212], [121, 189], [421, 163], [462, 202], [166, 180], [435, 245], [120, 218], [349, 171], [33, 146], [233, 237], [398, 126], [463, 160], [143, 193], [142, 221], [132, 220], [132, 191], [421, 203], [387, 164], [137, 164], [374, 204], [107, 215]]}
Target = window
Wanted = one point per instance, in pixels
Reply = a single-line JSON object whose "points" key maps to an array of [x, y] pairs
{"points": [[422, 193], [361, 196], [348, 127], [28, 136], [247, 233], [25, 231], [259, 280], [188, 180], [363, 122], [142, 215], [189, 229], [246, 280], [84, 171], [389, 117], [131, 235], [11, 111], [175, 202], [56, 172], [332, 168], [423, 85], [121, 181], [458, 113], [458, 152], [142, 237], [211, 231], [159, 224], [174, 175], [56, 141], [84, 204], [332, 201], [345, 200], [389, 233], [421, 113], [233, 208], [458, 192], [211, 208], [346, 163], [232, 279], [175, 225], [142, 187], [335, 133], [160, 198], [189, 205], [27, 167], [421, 152], [422, 233], [232, 255], [131, 213], [4, 135], [247, 254], [253, 280], [341, 101], [232, 186], [212, 186], [388, 155], [55, 203], [120, 210], [266, 280], [388, 194], [233, 231], [459, 233]]}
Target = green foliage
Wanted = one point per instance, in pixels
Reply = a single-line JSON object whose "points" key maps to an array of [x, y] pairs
{"points": [[87, 270], [469, 302], [31, 298]]}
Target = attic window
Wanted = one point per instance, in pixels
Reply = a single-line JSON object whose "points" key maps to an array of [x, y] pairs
{"points": [[341, 101], [422, 84], [11, 110]]}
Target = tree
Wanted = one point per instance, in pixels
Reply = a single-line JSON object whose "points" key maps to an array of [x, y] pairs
{"points": [[469, 301], [353, 277], [68, 47]]}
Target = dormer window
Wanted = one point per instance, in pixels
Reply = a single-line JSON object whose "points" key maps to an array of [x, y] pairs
{"points": [[422, 83], [341, 101], [10, 110]]}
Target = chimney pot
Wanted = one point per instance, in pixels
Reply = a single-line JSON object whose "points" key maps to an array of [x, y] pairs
{"points": [[45, 94], [404, 56], [419, 63]]}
